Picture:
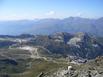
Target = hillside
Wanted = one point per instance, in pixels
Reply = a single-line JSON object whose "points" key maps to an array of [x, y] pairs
{"points": [[81, 45], [51, 55]]}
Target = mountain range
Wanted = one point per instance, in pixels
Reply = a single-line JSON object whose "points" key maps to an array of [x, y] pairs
{"points": [[79, 45], [60, 54], [50, 25]]}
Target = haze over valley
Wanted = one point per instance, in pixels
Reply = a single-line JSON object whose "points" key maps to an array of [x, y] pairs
{"points": [[49, 26]]}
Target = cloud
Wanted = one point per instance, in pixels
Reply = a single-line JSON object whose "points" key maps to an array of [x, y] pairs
{"points": [[50, 13], [79, 14]]}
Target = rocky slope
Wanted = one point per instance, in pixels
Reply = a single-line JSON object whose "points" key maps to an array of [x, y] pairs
{"points": [[92, 68], [80, 45]]}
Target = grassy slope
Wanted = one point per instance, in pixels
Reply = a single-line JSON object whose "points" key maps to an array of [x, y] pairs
{"points": [[38, 66]]}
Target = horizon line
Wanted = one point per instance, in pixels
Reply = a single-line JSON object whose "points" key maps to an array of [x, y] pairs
{"points": [[27, 19]]}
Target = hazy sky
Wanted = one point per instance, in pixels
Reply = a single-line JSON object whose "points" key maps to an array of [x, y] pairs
{"points": [[31, 9]]}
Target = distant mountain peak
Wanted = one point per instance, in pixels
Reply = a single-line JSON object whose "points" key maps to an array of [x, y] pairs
{"points": [[49, 26]]}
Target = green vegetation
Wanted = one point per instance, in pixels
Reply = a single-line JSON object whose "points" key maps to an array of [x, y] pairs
{"points": [[40, 65]]}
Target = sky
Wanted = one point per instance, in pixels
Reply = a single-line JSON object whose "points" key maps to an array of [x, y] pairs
{"points": [[38, 9]]}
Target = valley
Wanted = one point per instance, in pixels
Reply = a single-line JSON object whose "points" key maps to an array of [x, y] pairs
{"points": [[57, 55]]}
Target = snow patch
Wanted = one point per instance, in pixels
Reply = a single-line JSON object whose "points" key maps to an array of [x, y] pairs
{"points": [[95, 45], [74, 40]]}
